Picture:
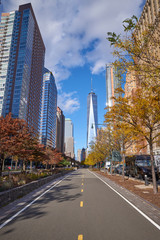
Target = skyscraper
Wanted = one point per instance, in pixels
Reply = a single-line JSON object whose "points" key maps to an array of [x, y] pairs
{"points": [[48, 110], [79, 155], [92, 118], [149, 20], [21, 65], [69, 138], [83, 154], [60, 127], [112, 82]]}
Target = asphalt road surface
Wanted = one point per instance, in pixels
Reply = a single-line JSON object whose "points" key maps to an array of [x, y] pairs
{"points": [[80, 207]]}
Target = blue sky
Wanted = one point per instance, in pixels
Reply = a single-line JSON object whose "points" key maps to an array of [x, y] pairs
{"points": [[74, 33]]}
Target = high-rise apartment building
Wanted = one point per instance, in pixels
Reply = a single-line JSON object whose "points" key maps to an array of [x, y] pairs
{"points": [[21, 65], [149, 16], [83, 154], [69, 138], [112, 82], [92, 118], [60, 126], [130, 84], [79, 155], [48, 110]]}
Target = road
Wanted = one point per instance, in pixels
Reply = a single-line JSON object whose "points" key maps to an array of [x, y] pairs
{"points": [[80, 207]]}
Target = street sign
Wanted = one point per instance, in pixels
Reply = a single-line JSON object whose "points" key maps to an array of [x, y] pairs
{"points": [[116, 156]]}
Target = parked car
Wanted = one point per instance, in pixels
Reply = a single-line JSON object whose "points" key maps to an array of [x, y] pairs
{"points": [[119, 169], [142, 171]]}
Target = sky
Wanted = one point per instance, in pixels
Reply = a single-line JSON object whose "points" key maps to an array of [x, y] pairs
{"points": [[74, 33]]}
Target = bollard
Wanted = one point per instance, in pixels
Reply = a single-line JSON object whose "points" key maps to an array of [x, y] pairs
{"points": [[146, 180]]}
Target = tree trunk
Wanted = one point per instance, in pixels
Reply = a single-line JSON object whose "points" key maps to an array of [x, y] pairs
{"points": [[2, 164], [11, 164], [123, 160], [31, 166], [16, 162], [155, 188], [111, 170], [24, 166], [0, 167], [105, 167]]}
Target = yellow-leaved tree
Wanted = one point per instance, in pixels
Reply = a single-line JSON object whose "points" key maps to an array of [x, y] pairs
{"points": [[139, 115], [137, 54]]}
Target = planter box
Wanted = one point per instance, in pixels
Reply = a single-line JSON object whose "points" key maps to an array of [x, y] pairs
{"points": [[18, 192]]}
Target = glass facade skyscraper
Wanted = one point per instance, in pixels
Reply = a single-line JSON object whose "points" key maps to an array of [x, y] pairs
{"points": [[21, 65], [92, 118], [9, 29], [69, 138], [48, 110]]}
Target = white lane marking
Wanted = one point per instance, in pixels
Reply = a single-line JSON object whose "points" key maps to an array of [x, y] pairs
{"points": [[138, 210], [23, 209]]}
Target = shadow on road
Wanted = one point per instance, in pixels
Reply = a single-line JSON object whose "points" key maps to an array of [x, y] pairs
{"points": [[59, 194]]}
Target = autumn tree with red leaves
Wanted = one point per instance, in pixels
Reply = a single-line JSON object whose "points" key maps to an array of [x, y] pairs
{"points": [[17, 139], [53, 157], [26, 144], [8, 134], [38, 154]]}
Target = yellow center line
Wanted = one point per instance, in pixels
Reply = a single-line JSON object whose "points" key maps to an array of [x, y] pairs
{"points": [[81, 204], [81, 190], [80, 237], [82, 184]]}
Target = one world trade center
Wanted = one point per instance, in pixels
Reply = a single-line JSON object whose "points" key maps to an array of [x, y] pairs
{"points": [[92, 119]]}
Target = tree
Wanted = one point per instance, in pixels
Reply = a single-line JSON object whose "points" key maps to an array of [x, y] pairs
{"points": [[139, 115], [57, 157], [103, 147], [136, 53], [91, 159], [9, 132], [26, 143], [53, 157], [64, 162], [37, 155], [19, 141], [122, 136]]}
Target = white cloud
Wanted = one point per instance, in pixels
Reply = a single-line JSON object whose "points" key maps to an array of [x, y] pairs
{"points": [[68, 27], [98, 67], [68, 102], [75, 32]]}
